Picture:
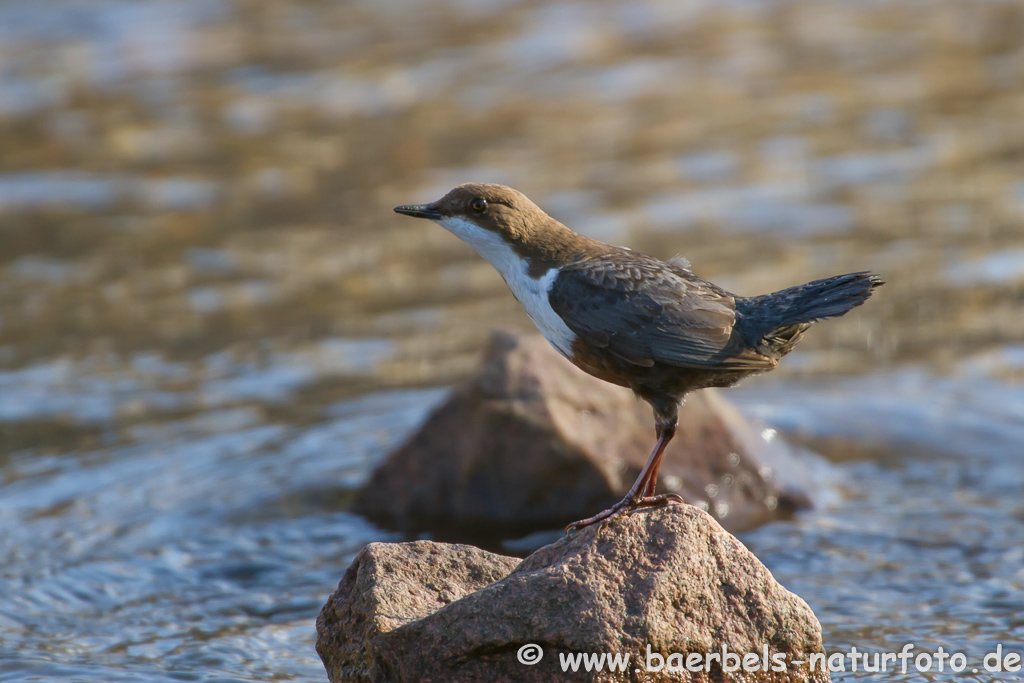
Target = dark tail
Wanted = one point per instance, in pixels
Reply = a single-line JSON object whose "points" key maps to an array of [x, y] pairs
{"points": [[777, 320]]}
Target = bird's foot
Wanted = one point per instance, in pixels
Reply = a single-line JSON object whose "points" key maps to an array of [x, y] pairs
{"points": [[612, 512], [624, 506], [661, 499]]}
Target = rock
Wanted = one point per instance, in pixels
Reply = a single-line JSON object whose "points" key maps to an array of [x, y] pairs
{"points": [[391, 584], [534, 443], [669, 578]]}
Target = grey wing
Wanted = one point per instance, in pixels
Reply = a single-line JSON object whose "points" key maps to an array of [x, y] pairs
{"points": [[645, 312]]}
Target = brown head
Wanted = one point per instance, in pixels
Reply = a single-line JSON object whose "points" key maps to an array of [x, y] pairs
{"points": [[487, 216]]}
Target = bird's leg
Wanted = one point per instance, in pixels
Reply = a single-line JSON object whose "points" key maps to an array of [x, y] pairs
{"points": [[641, 493], [668, 430], [652, 480], [666, 417], [649, 499]]}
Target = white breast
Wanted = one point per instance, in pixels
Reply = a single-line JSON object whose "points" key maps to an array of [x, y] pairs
{"points": [[532, 293]]}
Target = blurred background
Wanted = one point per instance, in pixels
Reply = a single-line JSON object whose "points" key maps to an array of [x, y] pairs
{"points": [[212, 325]]}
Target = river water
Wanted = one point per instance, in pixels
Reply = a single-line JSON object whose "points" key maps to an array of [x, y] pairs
{"points": [[212, 326]]}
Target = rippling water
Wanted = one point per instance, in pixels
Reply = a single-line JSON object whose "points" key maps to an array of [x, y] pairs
{"points": [[925, 543], [205, 550], [212, 325]]}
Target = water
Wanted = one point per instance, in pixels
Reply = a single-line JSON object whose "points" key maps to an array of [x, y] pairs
{"points": [[203, 551], [924, 548], [212, 326]]}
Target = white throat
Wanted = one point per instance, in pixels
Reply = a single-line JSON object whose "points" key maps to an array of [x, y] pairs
{"points": [[532, 293]]}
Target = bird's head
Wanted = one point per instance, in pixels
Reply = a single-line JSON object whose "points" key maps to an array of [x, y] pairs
{"points": [[478, 213]]}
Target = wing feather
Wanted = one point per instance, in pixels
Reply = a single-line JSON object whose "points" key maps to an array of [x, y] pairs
{"points": [[644, 311]]}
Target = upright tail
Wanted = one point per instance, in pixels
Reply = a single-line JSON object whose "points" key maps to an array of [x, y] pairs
{"points": [[776, 322]]}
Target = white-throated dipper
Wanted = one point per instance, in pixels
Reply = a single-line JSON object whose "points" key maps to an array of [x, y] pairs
{"points": [[631, 319]]}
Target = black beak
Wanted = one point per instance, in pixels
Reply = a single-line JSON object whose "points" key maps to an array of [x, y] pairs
{"points": [[420, 211]]}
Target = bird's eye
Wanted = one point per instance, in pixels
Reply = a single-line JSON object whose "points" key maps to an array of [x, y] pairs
{"points": [[479, 204]]}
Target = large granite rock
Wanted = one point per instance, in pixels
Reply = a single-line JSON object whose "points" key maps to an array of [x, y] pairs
{"points": [[534, 443], [671, 579]]}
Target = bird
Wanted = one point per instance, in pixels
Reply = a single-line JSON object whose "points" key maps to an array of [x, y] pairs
{"points": [[631, 319]]}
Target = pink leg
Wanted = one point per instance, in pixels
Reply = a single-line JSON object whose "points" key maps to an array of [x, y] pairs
{"points": [[641, 493], [652, 481]]}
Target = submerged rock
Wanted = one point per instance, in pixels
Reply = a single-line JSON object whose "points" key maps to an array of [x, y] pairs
{"points": [[658, 585], [534, 443]]}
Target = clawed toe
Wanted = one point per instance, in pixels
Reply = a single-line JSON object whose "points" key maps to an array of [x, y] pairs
{"points": [[610, 513], [660, 499], [623, 506]]}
